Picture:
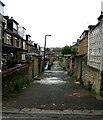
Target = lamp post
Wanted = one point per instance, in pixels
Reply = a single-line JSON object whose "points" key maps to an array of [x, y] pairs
{"points": [[45, 47]]}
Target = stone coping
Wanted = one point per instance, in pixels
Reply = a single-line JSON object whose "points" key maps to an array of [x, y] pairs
{"points": [[39, 111]]}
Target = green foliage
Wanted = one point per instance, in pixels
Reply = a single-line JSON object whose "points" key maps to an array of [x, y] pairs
{"points": [[73, 76], [47, 49], [73, 50], [90, 86], [64, 69], [68, 50], [70, 73]]}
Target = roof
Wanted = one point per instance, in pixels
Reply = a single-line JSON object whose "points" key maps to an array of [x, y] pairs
{"points": [[11, 19], [8, 31], [76, 43], [83, 35], [6, 17], [2, 3], [28, 35], [100, 17], [21, 27], [84, 32], [56, 49], [48, 52], [91, 26]]}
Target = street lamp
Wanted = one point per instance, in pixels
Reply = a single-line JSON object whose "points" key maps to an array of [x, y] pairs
{"points": [[45, 47]]}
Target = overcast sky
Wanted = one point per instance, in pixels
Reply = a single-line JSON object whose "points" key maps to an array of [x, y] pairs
{"points": [[65, 20]]}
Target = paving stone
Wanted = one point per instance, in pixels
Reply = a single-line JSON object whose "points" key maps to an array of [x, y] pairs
{"points": [[4, 109], [25, 110], [33, 110]]}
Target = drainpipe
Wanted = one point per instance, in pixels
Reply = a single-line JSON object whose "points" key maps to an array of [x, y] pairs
{"points": [[1, 21], [101, 89]]}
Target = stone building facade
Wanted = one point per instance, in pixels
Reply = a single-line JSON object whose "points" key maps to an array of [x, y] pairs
{"points": [[95, 42]]}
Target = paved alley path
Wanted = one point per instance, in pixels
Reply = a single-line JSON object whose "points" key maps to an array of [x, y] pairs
{"points": [[54, 90]]}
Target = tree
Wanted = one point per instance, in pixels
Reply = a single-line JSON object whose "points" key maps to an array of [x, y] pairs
{"points": [[68, 50], [47, 49], [73, 50]]}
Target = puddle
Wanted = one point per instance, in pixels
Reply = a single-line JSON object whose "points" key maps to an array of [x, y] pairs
{"points": [[77, 82], [57, 67], [51, 81], [53, 71]]}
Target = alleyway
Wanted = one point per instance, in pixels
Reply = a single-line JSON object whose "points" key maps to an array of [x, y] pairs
{"points": [[54, 90]]}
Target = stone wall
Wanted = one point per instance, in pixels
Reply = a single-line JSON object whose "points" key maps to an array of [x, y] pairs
{"points": [[61, 62], [91, 77], [36, 66], [64, 63], [77, 66], [16, 78], [41, 65]]}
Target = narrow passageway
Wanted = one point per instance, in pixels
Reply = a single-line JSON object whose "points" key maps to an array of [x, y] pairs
{"points": [[54, 90], [52, 76]]}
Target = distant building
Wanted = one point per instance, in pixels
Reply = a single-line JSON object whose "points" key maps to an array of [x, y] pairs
{"points": [[56, 52]]}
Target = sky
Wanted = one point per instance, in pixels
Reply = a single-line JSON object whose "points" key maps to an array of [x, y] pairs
{"points": [[64, 20]]}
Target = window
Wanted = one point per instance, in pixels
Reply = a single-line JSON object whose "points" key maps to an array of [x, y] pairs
{"points": [[23, 45], [8, 39], [16, 42]]}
